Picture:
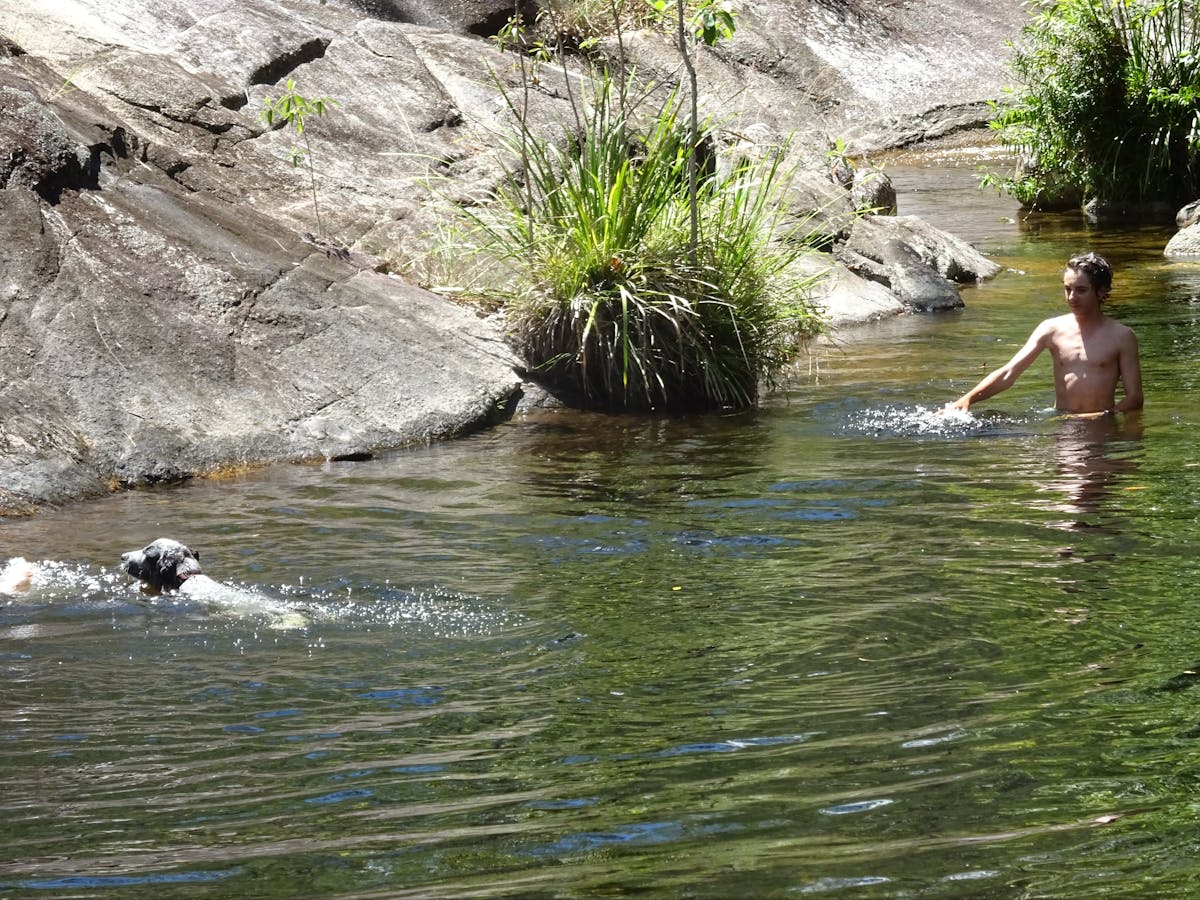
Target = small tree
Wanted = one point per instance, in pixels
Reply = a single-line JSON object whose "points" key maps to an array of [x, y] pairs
{"points": [[711, 22], [531, 56], [610, 302], [632, 283], [292, 109]]}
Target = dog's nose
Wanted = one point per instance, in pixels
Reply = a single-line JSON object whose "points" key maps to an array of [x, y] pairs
{"points": [[125, 557]]}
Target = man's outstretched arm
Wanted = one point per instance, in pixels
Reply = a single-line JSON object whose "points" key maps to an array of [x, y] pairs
{"points": [[1004, 377]]}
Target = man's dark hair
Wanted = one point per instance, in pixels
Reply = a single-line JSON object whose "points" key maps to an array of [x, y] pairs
{"points": [[1095, 267]]}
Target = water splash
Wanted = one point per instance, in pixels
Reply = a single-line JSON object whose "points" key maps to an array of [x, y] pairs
{"points": [[919, 421], [436, 611], [53, 579], [63, 589]]}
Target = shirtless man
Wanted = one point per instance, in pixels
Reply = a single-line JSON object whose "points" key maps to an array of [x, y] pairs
{"points": [[1091, 352]]}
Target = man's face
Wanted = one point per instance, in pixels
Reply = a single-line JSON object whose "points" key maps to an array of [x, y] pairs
{"points": [[1079, 293]]}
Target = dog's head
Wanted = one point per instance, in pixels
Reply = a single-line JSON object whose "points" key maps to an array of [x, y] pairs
{"points": [[164, 565]]}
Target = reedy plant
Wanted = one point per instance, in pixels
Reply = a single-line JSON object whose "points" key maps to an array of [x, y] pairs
{"points": [[618, 306], [1108, 104]]}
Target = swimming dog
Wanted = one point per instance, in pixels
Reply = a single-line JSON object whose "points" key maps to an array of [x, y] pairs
{"points": [[163, 565], [166, 565]]}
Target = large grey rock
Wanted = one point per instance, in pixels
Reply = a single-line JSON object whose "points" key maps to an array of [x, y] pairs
{"points": [[150, 332], [914, 259], [871, 190], [184, 81], [886, 74], [482, 17], [1186, 241], [915, 283], [950, 256], [845, 297], [150, 335]]}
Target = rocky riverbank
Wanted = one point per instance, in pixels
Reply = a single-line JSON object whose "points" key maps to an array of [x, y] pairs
{"points": [[165, 310]]}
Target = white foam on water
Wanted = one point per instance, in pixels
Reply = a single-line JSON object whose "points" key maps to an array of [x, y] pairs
{"points": [[51, 579], [48, 584], [435, 611], [905, 421]]}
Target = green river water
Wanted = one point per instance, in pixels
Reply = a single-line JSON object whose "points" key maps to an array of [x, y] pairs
{"points": [[835, 646]]}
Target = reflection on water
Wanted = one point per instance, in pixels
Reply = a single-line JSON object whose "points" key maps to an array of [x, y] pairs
{"points": [[846, 644], [1097, 457]]}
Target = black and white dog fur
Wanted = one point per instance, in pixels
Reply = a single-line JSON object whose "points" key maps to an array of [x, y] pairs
{"points": [[166, 566]]}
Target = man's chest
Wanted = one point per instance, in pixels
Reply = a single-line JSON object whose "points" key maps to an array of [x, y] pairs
{"points": [[1077, 353]]}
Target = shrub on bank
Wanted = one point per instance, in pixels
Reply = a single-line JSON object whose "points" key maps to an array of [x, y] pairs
{"points": [[610, 301], [1108, 105]]}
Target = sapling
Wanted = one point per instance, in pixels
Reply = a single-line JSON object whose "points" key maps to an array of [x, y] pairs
{"points": [[711, 21], [292, 108]]}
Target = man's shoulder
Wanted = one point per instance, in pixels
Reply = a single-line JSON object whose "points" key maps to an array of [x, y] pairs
{"points": [[1056, 324], [1124, 335], [1118, 326], [1059, 320], [1115, 329]]}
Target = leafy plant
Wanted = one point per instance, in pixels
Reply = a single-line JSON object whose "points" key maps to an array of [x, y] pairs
{"points": [[1109, 103], [613, 301], [292, 108]]}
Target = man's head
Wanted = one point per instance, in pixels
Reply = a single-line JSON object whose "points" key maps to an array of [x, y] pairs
{"points": [[164, 565], [1097, 270]]}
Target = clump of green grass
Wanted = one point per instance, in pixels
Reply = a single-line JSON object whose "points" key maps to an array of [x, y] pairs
{"points": [[616, 306], [1109, 103]]}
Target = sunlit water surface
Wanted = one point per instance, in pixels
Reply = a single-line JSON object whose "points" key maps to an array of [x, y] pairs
{"points": [[839, 646]]}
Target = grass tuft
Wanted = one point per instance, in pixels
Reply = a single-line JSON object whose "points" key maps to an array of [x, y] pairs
{"points": [[613, 304]]}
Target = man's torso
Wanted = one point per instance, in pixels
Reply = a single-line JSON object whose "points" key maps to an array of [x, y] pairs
{"points": [[1086, 363]]}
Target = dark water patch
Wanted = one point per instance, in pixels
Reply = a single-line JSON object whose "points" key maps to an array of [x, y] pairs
{"points": [[92, 882]]}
